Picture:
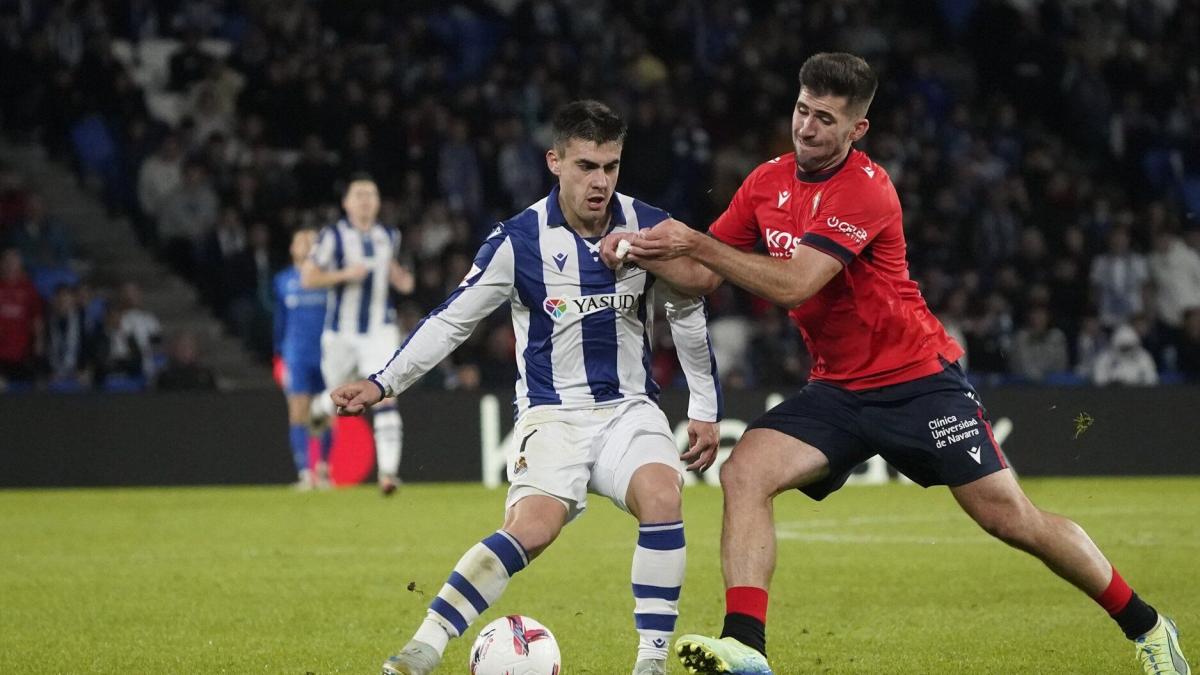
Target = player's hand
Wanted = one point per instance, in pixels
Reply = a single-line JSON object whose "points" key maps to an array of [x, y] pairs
{"points": [[354, 398], [356, 272], [608, 248], [703, 440], [666, 240]]}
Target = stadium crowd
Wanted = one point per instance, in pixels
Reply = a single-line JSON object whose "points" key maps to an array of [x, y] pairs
{"points": [[1047, 154]]}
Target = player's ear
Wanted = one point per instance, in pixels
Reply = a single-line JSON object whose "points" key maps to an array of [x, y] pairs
{"points": [[552, 162], [860, 129]]}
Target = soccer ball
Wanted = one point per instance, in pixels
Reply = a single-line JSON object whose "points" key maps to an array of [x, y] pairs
{"points": [[515, 645]]}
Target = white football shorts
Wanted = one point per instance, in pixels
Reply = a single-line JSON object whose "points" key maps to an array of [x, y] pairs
{"points": [[568, 453], [346, 357]]}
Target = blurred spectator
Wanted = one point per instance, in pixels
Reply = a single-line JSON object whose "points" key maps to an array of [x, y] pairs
{"points": [[189, 63], [42, 239], [458, 171], [188, 213], [67, 347], [1124, 361], [160, 175], [520, 165], [1090, 342], [1189, 345], [1039, 349], [315, 173], [219, 251], [21, 326], [136, 336], [989, 336], [1175, 269], [183, 371], [1119, 278]]}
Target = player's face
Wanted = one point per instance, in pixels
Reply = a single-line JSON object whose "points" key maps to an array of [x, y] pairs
{"points": [[302, 243], [823, 129], [587, 178], [362, 201]]}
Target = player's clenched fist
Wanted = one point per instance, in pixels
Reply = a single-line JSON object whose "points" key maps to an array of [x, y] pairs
{"points": [[611, 251], [356, 397]]}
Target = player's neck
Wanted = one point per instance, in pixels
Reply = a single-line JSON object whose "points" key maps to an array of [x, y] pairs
{"points": [[834, 162], [582, 227], [363, 225]]}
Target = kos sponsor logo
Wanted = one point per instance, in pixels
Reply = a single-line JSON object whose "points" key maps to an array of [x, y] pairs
{"points": [[557, 308], [853, 231], [781, 244]]}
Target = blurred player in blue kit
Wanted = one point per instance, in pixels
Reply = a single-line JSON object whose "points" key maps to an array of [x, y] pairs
{"points": [[299, 320], [587, 413]]}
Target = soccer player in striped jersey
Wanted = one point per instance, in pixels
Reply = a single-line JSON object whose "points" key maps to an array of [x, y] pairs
{"points": [[355, 259], [298, 322], [587, 418]]}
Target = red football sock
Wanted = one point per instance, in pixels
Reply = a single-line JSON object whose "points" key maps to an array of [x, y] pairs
{"points": [[748, 600], [1116, 596]]}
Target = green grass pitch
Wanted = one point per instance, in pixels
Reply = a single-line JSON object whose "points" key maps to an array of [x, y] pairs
{"points": [[888, 579]]}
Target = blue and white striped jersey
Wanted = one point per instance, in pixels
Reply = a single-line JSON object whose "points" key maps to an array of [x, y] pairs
{"points": [[582, 335], [364, 306]]}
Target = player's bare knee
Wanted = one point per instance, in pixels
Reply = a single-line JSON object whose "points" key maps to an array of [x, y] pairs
{"points": [[1012, 523], [654, 494], [741, 478], [533, 537], [535, 522], [662, 505]]}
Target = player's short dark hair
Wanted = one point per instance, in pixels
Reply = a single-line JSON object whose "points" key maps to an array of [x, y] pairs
{"points": [[356, 177], [587, 120], [840, 74]]}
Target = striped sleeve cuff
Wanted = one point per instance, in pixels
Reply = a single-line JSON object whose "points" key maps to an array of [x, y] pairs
{"points": [[383, 392]]}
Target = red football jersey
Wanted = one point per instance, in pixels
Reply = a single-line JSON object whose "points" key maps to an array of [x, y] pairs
{"points": [[869, 326]]}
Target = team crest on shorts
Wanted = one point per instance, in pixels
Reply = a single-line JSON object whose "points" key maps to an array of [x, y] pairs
{"points": [[519, 466]]}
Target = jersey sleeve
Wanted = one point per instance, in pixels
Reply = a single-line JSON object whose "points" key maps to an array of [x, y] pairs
{"points": [[324, 253], [849, 219], [647, 215], [279, 317], [688, 318], [486, 287], [738, 226], [394, 234]]}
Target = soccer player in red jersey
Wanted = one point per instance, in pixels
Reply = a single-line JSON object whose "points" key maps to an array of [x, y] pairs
{"points": [[884, 378]]}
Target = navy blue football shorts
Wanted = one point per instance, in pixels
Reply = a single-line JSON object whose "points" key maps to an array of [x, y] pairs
{"points": [[934, 430]]}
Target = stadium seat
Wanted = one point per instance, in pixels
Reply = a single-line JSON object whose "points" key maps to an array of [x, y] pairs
{"points": [[124, 384]]}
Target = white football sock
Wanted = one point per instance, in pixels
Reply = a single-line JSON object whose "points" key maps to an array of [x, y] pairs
{"points": [[389, 438], [477, 581], [658, 567]]}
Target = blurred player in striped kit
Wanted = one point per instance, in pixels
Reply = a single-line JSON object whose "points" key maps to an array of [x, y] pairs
{"points": [[299, 320], [587, 418], [355, 259]]}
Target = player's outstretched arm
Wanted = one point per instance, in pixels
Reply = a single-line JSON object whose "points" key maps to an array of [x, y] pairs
{"points": [[686, 275], [787, 282], [356, 397], [401, 279], [312, 276]]}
